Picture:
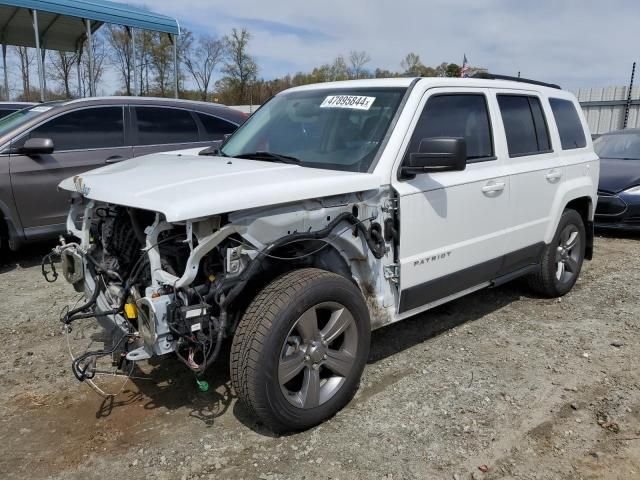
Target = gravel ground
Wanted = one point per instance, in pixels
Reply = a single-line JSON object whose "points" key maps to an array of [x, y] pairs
{"points": [[495, 385]]}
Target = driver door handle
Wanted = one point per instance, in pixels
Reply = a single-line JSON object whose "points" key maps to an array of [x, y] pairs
{"points": [[114, 159], [493, 188]]}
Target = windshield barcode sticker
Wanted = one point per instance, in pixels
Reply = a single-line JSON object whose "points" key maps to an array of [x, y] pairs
{"points": [[348, 101]]}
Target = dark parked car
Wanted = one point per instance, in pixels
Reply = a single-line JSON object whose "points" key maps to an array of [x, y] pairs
{"points": [[42, 145], [619, 187], [7, 108]]}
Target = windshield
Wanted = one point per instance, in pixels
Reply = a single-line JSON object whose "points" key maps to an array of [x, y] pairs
{"points": [[624, 146], [333, 129], [20, 117]]}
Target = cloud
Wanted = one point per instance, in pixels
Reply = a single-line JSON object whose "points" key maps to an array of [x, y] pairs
{"points": [[574, 42]]}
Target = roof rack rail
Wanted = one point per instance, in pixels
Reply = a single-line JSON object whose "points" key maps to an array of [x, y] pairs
{"points": [[493, 76]]}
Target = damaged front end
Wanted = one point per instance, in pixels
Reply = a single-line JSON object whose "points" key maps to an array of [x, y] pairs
{"points": [[158, 287]]}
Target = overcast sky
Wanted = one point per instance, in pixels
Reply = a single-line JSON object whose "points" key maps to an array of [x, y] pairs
{"points": [[577, 43]]}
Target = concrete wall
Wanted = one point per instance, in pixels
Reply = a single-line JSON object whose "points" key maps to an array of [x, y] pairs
{"points": [[604, 107]]}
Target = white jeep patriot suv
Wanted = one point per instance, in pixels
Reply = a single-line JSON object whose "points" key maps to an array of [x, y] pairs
{"points": [[334, 210]]}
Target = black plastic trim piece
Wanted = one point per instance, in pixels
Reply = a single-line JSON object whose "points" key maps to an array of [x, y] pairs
{"points": [[482, 159], [494, 76], [530, 154], [590, 228], [497, 271], [418, 295], [522, 258], [521, 272]]}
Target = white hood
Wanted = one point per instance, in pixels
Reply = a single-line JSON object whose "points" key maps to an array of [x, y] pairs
{"points": [[184, 187]]}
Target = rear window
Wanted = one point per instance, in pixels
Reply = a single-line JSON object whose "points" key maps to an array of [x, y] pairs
{"points": [[569, 126], [524, 124], [620, 146], [160, 126]]}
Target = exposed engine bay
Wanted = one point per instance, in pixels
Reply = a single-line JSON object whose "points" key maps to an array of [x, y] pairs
{"points": [[160, 287]]}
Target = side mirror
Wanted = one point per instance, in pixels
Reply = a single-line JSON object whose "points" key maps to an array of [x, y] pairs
{"points": [[36, 146], [440, 154]]}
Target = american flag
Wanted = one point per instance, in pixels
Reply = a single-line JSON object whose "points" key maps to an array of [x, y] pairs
{"points": [[465, 67]]}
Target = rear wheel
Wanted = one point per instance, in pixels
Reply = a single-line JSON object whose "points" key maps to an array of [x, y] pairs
{"points": [[299, 351], [562, 258]]}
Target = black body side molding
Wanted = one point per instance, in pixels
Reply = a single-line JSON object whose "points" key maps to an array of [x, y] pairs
{"points": [[496, 271]]}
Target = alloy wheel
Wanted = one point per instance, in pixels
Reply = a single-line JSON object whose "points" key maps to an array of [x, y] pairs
{"points": [[318, 355], [568, 254]]}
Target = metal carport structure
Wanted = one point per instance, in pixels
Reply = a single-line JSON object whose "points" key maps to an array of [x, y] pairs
{"points": [[66, 25]]}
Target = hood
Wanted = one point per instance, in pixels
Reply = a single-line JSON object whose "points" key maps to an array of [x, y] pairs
{"points": [[184, 187], [617, 175], [185, 151]]}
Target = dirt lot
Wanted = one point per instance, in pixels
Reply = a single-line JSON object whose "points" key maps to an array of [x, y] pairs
{"points": [[516, 386]]}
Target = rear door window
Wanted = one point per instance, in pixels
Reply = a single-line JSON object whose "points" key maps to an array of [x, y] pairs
{"points": [[569, 125], [100, 127], [215, 128], [524, 124], [159, 125]]}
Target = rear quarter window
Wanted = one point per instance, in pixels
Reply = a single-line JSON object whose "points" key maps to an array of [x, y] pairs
{"points": [[215, 128], [568, 122]]}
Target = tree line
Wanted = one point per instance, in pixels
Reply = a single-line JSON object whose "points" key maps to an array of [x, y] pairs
{"points": [[210, 68]]}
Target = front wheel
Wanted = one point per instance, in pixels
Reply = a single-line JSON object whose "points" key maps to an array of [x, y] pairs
{"points": [[562, 258], [299, 350]]}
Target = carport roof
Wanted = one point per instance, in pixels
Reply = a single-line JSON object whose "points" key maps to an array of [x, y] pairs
{"points": [[61, 23]]}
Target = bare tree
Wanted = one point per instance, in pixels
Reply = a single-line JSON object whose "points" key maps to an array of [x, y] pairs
{"points": [[144, 42], [240, 69], [161, 59], [339, 69], [121, 54], [63, 64], [411, 64], [99, 64], [358, 60], [26, 57], [202, 60]]}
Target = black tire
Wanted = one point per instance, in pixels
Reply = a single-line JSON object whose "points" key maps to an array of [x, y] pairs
{"points": [[263, 336], [4, 243], [545, 281]]}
